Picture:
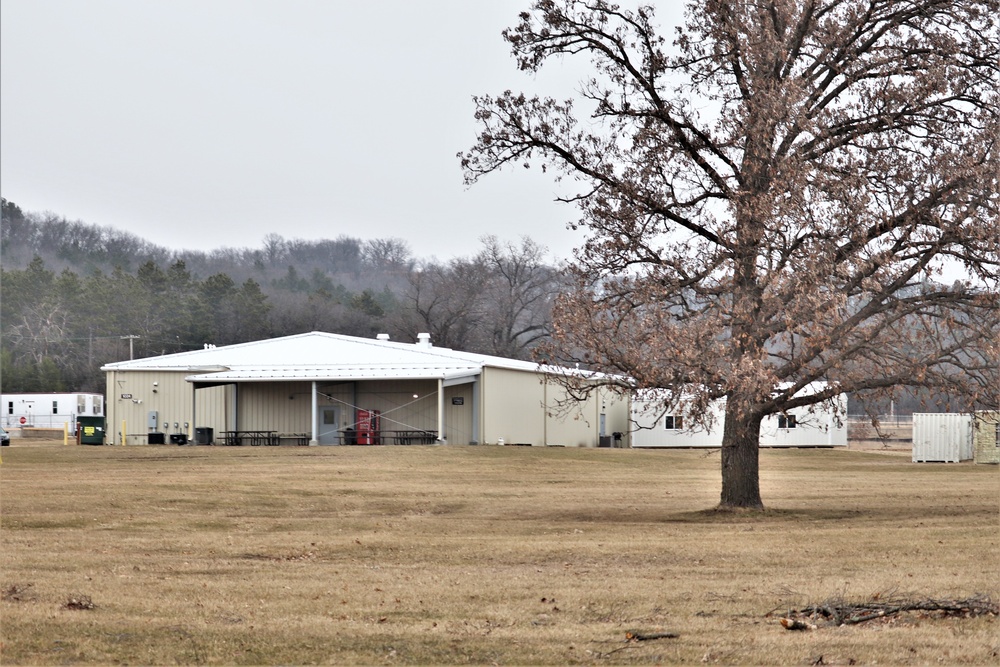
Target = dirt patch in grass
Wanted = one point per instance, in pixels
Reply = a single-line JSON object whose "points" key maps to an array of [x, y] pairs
{"points": [[476, 555]]}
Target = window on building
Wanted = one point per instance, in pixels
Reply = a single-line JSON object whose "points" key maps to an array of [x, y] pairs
{"points": [[673, 422], [786, 421], [10, 407], [98, 408], [81, 405], [55, 407]]}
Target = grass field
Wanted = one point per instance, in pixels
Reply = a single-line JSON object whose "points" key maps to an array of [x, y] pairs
{"points": [[434, 555]]}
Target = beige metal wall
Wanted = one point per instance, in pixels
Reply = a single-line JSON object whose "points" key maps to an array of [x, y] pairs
{"points": [[132, 395], [512, 407], [618, 407], [524, 407], [574, 424], [458, 418], [284, 407]]}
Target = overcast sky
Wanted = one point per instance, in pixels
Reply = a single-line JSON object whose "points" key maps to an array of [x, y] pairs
{"points": [[198, 124]]}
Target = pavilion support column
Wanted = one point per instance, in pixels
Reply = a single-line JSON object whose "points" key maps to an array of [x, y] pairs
{"points": [[192, 429], [440, 437], [314, 440]]}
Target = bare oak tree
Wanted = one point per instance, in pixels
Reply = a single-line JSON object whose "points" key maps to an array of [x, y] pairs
{"points": [[770, 201]]}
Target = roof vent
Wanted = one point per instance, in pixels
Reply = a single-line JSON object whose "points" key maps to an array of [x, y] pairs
{"points": [[423, 340], [382, 337]]}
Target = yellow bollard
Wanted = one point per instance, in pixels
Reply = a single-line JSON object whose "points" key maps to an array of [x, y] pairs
{"points": [[123, 433], [65, 434]]}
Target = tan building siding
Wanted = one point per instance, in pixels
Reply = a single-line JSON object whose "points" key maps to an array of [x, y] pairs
{"points": [[133, 395], [530, 408], [273, 406], [619, 412], [513, 407], [458, 415], [574, 424]]}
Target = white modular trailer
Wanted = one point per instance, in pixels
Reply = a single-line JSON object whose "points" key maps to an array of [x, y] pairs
{"points": [[815, 426], [49, 410], [942, 437], [651, 428]]}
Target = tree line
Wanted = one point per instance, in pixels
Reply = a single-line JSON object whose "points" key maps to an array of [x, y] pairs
{"points": [[76, 296]]}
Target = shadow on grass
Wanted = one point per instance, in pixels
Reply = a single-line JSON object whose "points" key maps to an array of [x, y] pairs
{"points": [[715, 516]]}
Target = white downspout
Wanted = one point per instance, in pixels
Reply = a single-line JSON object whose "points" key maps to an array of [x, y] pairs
{"points": [[315, 416], [440, 437]]}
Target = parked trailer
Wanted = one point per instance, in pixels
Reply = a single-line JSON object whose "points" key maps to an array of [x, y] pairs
{"points": [[49, 410], [814, 426], [942, 437]]}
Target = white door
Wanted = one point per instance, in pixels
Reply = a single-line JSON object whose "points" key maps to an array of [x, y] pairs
{"points": [[329, 426]]}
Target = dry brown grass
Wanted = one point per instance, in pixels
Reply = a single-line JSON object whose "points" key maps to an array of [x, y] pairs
{"points": [[433, 555]]}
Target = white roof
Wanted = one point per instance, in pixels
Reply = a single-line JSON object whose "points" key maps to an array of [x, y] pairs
{"points": [[323, 356]]}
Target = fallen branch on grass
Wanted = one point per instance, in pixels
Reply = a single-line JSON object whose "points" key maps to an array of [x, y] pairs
{"points": [[19, 593], [634, 636], [631, 637], [79, 602], [841, 612]]}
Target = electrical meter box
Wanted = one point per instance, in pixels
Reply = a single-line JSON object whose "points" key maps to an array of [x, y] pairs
{"points": [[153, 420]]}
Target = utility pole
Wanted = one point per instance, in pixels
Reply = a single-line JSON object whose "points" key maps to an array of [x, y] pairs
{"points": [[130, 339]]}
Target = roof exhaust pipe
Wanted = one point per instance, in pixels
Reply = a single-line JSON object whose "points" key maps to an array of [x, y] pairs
{"points": [[382, 337], [423, 340]]}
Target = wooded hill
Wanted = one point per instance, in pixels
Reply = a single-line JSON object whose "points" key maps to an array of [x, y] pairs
{"points": [[72, 293], [75, 296]]}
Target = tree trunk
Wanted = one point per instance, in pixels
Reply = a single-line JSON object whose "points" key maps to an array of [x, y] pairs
{"points": [[740, 466]]}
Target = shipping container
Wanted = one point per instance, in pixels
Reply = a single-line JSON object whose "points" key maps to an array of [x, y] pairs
{"points": [[942, 437]]}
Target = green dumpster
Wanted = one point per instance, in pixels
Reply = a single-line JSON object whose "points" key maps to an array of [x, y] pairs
{"points": [[90, 430]]}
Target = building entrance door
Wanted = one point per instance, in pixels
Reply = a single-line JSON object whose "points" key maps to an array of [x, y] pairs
{"points": [[329, 426]]}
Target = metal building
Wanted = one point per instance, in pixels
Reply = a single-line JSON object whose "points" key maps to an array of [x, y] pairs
{"points": [[328, 389]]}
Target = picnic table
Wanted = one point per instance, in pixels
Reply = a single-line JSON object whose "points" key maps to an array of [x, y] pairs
{"points": [[252, 438], [412, 437]]}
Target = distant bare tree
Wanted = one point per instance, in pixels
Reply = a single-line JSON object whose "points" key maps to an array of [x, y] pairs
{"points": [[446, 302], [275, 248], [769, 207], [498, 302], [519, 294], [387, 254]]}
